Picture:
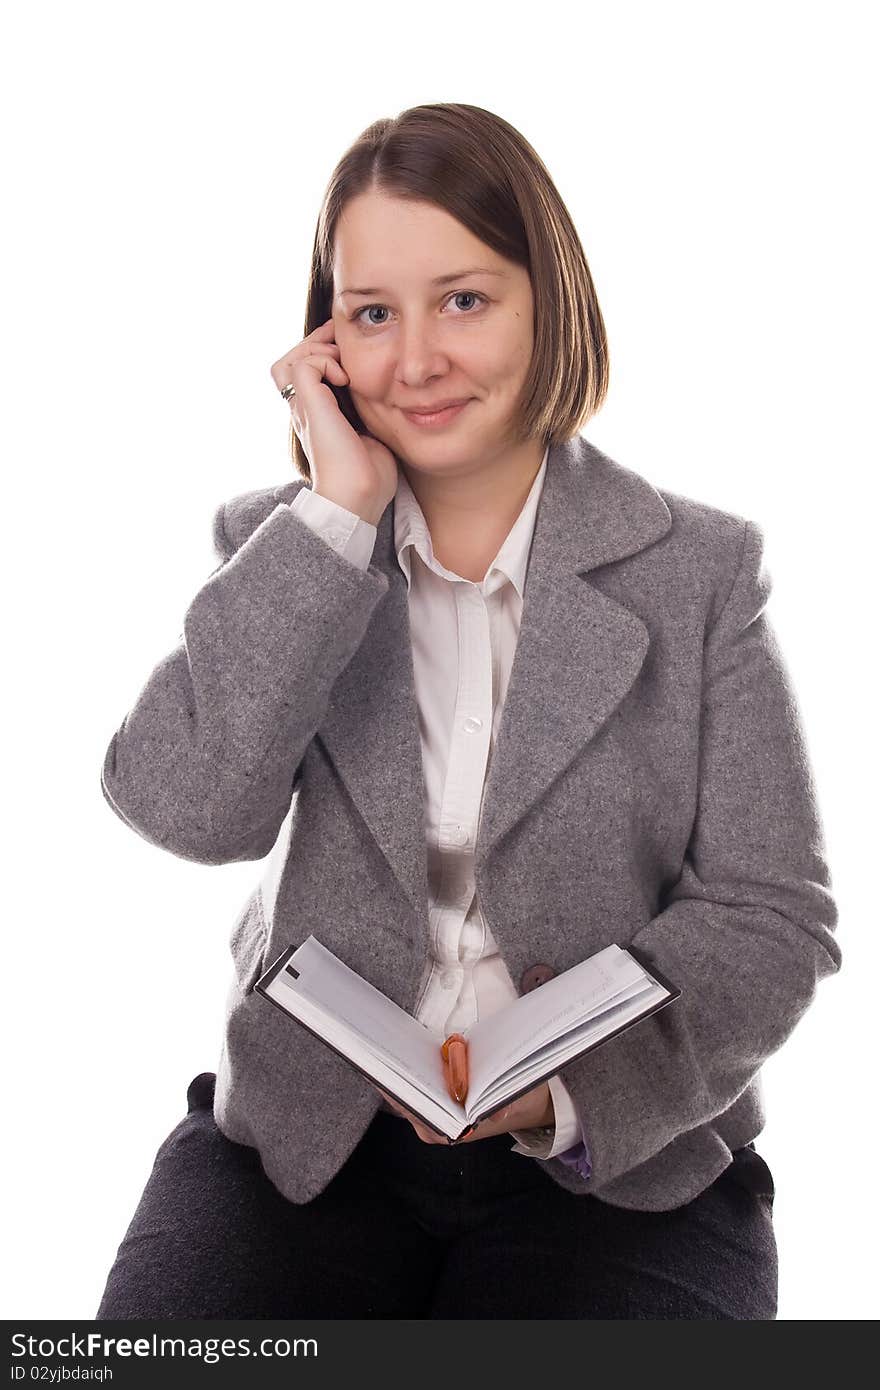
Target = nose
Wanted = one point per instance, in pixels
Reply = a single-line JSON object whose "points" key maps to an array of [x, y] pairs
{"points": [[419, 356]]}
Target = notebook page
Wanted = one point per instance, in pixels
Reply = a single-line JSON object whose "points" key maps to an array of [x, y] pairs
{"points": [[498, 1042], [554, 1055], [391, 1074], [350, 1007]]}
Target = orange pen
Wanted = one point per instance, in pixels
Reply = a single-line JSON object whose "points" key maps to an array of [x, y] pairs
{"points": [[455, 1066]]}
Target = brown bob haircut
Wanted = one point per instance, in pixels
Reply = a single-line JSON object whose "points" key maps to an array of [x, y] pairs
{"points": [[479, 169]]}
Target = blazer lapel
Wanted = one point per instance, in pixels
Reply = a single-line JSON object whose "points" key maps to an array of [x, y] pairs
{"points": [[578, 653]]}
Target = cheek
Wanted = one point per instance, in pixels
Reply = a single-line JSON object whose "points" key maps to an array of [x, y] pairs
{"points": [[503, 363], [363, 366], [346, 339], [512, 372]]}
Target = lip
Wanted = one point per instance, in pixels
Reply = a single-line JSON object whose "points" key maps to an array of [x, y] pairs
{"points": [[436, 417]]}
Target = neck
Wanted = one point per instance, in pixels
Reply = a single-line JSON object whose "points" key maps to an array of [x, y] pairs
{"points": [[469, 513]]}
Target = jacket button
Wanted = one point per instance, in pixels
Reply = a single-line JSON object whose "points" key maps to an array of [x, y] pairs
{"points": [[534, 976]]}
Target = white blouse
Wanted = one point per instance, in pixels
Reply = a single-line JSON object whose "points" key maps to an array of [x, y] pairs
{"points": [[464, 636]]}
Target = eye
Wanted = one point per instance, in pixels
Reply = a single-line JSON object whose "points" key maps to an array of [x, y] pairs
{"points": [[456, 294]]}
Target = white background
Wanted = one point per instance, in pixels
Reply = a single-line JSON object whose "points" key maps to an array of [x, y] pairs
{"points": [[164, 166]]}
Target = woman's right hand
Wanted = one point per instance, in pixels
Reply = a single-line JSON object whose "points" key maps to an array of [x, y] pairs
{"points": [[352, 469]]}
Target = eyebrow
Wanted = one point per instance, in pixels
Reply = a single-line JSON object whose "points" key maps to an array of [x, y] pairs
{"points": [[438, 280]]}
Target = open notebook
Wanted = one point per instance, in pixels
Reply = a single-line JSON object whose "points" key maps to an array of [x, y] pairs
{"points": [[509, 1052]]}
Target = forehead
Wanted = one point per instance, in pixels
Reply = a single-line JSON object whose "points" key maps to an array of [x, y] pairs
{"points": [[383, 243]]}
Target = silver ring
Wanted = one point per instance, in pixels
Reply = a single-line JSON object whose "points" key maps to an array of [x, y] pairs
{"points": [[288, 391]]}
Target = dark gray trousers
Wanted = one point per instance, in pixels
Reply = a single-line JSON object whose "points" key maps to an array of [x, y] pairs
{"points": [[413, 1230]]}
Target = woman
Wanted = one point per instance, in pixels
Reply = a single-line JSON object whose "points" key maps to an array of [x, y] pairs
{"points": [[337, 700]]}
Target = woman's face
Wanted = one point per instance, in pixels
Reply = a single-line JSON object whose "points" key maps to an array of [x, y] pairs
{"points": [[406, 341]]}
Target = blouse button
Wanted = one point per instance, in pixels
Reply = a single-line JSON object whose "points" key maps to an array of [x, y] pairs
{"points": [[471, 724]]}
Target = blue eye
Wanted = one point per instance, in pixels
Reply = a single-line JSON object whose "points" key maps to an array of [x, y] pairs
{"points": [[457, 294]]}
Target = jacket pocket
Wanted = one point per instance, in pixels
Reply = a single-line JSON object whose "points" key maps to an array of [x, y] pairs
{"points": [[248, 943]]}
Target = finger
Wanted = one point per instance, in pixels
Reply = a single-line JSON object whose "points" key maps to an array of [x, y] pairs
{"points": [[428, 1136], [328, 367], [282, 370], [309, 347], [489, 1129], [329, 370], [304, 349], [483, 1131]]}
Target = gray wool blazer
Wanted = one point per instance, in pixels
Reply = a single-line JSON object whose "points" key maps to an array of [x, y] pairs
{"points": [[650, 785]]}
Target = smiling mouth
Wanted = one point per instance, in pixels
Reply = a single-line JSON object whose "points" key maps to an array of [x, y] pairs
{"points": [[434, 409], [435, 417]]}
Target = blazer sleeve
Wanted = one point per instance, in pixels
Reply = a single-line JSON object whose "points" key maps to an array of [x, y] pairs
{"points": [[747, 929], [205, 763]]}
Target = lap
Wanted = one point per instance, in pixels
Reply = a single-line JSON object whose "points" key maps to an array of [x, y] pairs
{"points": [[212, 1237], [578, 1257], [407, 1229]]}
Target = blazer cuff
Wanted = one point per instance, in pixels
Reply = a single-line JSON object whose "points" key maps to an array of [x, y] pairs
{"points": [[348, 534]]}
